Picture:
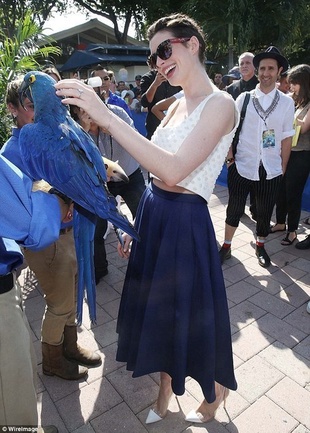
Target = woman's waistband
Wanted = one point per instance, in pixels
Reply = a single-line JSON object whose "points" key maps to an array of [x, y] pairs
{"points": [[168, 195]]}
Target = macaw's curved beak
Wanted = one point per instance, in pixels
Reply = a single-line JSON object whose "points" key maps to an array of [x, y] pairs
{"points": [[24, 93], [115, 171]]}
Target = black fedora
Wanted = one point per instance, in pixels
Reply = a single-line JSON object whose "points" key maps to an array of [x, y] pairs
{"points": [[271, 53]]}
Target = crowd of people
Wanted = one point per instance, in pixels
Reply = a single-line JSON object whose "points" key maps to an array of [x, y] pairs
{"points": [[295, 84], [173, 316]]}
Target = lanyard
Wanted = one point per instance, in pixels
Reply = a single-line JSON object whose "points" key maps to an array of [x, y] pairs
{"points": [[264, 114]]}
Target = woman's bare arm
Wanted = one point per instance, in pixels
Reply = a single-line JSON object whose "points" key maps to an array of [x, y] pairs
{"points": [[217, 120]]}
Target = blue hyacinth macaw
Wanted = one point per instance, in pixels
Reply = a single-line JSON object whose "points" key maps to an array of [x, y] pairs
{"points": [[55, 148]]}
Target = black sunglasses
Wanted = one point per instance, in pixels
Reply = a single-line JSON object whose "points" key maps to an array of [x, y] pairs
{"points": [[164, 50]]}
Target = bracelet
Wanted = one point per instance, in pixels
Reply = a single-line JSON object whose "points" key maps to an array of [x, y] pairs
{"points": [[66, 199], [229, 160]]}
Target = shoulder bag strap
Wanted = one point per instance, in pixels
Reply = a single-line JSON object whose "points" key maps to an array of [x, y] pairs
{"points": [[242, 116]]}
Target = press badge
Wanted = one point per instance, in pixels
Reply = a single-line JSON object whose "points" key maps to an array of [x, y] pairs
{"points": [[269, 139]]}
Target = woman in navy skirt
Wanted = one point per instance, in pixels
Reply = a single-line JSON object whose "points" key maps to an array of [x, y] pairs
{"points": [[173, 316]]}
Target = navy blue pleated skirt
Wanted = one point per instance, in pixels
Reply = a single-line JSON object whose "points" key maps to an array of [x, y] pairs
{"points": [[173, 314]]}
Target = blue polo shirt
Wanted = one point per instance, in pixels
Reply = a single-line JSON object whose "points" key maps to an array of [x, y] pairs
{"points": [[32, 219], [11, 149]]}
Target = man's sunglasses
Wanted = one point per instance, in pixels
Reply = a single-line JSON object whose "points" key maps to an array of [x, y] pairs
{"points": [[164, 50]]}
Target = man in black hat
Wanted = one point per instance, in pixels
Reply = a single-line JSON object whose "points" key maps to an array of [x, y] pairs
{"points": [[262, 152]]}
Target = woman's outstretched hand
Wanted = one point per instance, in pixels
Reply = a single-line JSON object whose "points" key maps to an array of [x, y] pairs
{"points": [[75, 92]]}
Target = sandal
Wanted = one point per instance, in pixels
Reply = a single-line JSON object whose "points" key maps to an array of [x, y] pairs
{"points": [[286, 241], [279, 230]]}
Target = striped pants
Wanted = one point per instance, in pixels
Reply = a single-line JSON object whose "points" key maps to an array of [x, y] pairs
{"points": [[265, 193]]}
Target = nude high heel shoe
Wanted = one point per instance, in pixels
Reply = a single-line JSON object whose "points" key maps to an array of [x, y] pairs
{"points": [[211, 408], [153, 416], [164, 397]]}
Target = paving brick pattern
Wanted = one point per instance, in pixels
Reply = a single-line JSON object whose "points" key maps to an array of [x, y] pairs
{"points": [[271, 345]]}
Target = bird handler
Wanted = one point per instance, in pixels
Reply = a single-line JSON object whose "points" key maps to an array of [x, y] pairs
{"points": [[56, 270]]}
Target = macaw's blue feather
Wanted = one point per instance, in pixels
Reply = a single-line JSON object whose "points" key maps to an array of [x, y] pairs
{"points": [[55, 148], [84, 232]]}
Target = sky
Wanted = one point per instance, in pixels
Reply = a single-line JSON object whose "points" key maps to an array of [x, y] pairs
{"points": [[65, 21]]}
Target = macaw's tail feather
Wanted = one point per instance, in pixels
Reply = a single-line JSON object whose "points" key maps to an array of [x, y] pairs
{"points": [[119, 220], [84, 231]]}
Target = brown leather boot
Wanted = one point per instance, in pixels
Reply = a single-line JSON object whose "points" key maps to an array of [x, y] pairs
{"points": [[74, 352], [54, 363]]}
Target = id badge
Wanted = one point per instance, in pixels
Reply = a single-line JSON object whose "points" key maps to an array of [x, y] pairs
{"points": [[269, 139]]}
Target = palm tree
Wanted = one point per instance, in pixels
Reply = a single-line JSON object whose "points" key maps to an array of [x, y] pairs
{"points": [[18, 54]]}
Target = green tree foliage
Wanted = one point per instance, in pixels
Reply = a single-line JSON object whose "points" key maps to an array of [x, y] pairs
{"points": [[121, 13], [256, 25], [12, 11], [18, 54]]}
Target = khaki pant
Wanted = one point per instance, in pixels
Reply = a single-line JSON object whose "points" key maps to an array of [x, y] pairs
{"points": [[18, 399], [56, 270]]}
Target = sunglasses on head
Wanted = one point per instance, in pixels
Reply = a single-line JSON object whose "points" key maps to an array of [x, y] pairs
{"points": [[164, 50]]}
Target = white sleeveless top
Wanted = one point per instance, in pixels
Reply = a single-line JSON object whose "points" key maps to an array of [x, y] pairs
{"points": [[202, 180]]}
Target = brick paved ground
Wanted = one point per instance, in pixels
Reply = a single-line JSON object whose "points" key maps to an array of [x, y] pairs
{"points": [[271, 344]]}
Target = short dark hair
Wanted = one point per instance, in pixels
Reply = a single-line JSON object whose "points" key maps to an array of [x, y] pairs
{"points": [[97, 68], [12, 96], [50, 70], [180, 26]]}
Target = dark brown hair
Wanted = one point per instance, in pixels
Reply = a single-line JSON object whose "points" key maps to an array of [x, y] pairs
{"points": [[12, 96], [300, 74], [51, 70], [180, 26]]}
